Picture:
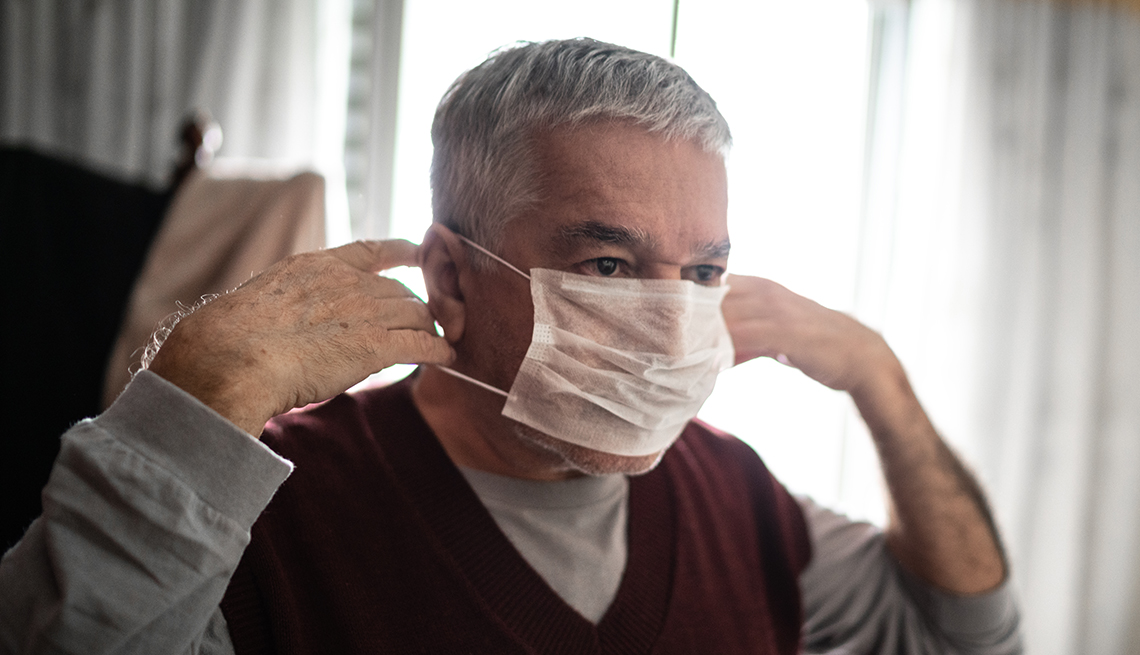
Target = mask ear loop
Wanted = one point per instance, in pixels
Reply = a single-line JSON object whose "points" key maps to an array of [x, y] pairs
{"points": [[472, 380], [491, 255], [455, 373]]}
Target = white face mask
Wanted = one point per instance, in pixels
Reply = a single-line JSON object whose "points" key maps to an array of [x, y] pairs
{"points": [[616, 365]]}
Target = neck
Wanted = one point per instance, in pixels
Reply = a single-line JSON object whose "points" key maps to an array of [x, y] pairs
{"points": [[468, 422]]}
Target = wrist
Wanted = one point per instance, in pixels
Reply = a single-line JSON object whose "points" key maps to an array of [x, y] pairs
{"points": [[217, 379], [885, 399]]}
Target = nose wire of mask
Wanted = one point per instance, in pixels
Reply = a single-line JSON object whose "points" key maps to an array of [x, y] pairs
{"points": [[456, 373]]}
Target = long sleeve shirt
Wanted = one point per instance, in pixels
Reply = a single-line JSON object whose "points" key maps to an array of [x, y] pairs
{"points": [[150, 505]]}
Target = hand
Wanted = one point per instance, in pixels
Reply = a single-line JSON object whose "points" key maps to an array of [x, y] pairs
{"points": [[302, 331], [940, 527], [767, 320]]}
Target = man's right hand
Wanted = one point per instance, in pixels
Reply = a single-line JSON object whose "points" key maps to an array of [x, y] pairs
{"points": [[302, 331]]}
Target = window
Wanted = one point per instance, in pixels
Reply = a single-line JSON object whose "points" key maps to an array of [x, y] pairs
{"points": [[790, 77]]}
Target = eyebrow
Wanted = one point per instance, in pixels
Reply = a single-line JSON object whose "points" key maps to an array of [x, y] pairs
{"points": [[715, 250], [596, 232]]}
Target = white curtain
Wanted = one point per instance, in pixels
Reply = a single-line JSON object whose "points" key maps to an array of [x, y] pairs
{"points": [[1001, 257], [109, 82]]}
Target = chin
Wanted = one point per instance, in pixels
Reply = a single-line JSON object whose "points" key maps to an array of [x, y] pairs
{"points": [[586, 460]]}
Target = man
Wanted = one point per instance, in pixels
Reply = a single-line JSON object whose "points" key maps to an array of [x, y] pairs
{"points": [[576, 267]]}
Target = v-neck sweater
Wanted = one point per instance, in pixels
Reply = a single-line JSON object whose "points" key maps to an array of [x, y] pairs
{"points": [[377, 543], [572, 532]]}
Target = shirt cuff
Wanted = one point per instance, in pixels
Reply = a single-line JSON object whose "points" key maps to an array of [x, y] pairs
{"points": [[231, 471], [990, 617]]}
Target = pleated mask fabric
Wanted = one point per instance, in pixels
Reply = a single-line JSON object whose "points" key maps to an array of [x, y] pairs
{"points": [[617, 365]]}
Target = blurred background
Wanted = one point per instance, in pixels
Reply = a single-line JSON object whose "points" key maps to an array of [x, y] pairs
{"points": [[962, 175]]}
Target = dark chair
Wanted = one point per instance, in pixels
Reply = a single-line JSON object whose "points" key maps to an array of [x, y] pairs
{"points": [[74, 241]]}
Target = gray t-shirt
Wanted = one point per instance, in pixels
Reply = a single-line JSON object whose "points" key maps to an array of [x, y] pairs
{"points": [[149, 508], [573, 532]]}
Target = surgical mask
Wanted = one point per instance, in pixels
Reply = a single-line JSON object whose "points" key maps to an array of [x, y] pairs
{"points": [[616, 365]]}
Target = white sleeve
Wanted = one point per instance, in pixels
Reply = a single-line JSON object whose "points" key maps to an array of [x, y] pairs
{"points": [[145, 517], [858, 599]]}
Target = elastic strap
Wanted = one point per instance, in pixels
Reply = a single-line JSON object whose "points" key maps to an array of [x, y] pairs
{"points": [[472, 380], [491, 255]]}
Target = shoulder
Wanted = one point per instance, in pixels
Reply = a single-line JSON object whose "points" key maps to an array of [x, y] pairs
{"points": [[711, 461], [703, 446], [345, 423]]}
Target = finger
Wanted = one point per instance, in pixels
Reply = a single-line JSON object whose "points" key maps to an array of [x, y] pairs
{"points": [[418, 347], [738, 284], [405, 314], [381, 288], [742, 356], [753, 345], [376, 256], [746, 296]]}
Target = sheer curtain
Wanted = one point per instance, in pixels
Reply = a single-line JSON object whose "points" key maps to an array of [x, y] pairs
{"points": [[108, 84], [790, 77], [1001, 255]]}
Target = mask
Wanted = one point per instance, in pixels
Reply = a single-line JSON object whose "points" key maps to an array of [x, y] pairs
{"points": [[616, 365]]}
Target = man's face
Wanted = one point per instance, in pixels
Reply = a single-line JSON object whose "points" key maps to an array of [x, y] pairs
{"points": [[617, 201]]}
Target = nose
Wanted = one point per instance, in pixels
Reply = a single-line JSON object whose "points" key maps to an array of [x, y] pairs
{"points": [[662, 271]]}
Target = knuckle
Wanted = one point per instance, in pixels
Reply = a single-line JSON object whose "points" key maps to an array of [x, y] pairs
{"points": [[365, 248], [422, 345], [302, 259]]}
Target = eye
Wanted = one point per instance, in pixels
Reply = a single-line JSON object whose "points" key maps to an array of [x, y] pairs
{"points": [[606, 266], [706, 273]]}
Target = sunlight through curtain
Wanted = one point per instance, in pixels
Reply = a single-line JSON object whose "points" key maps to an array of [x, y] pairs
{"points": [[1002, 257]]}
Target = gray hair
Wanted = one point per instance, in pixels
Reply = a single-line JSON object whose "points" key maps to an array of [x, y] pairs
{"points": [[483, 173]]}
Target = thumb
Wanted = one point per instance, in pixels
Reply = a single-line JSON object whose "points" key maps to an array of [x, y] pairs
{"points": [[376, 256], [419, 347]]}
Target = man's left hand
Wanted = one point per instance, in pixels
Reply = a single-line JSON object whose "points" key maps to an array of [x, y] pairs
{"points": [[767, 320], [940, 527]]}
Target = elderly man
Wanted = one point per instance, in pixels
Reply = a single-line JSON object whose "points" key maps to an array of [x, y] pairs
{"points": [[538, 485]]}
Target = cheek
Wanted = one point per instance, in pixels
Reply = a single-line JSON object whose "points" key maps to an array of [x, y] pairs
{"points": [[499, 326]]}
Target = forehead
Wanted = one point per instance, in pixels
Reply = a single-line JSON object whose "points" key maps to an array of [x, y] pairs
{"points": [[617, 182]]}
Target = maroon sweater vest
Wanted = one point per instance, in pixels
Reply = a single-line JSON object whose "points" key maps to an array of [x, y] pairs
{"points": [[376, 544]]}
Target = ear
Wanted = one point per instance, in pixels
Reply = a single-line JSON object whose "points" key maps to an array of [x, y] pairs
{"points": [[441, 256]]}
